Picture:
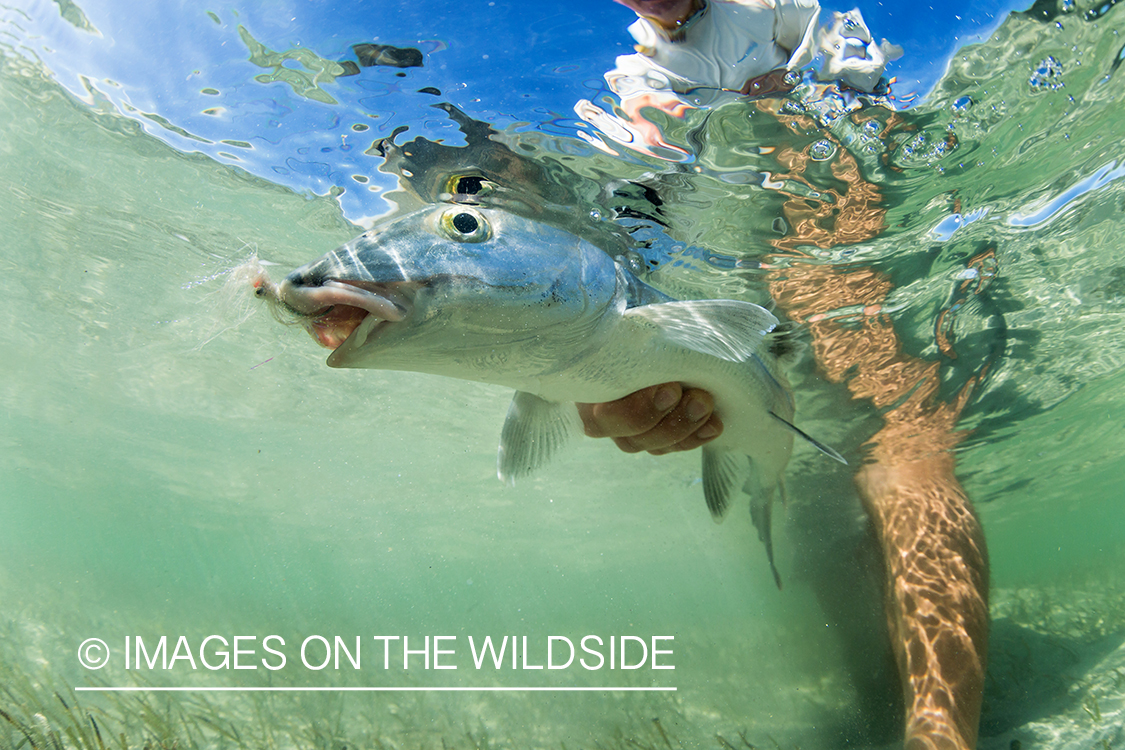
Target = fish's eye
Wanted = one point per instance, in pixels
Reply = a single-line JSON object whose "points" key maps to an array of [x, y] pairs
{"points": [[465, 225]]}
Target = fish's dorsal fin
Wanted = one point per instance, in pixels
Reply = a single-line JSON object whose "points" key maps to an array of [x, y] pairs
{"points": [[724, 328], [534, 431], [724, 473], [825, 449]]}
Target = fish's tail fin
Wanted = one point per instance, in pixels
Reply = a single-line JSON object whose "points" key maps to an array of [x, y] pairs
{"points": [[725, 472], [761, 514]]}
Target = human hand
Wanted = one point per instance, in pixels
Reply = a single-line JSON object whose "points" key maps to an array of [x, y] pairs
{"points": [[661, 419]]}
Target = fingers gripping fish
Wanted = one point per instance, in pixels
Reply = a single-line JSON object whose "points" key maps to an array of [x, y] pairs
{"points": [[484, 295]]}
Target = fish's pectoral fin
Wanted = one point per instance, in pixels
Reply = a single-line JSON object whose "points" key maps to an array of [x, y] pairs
{"points": [[724, 328], [761, 514], [534, 431], [724, 472], [825, 449]]}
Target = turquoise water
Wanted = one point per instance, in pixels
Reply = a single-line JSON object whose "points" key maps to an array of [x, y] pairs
{"points": [[167, 472]]}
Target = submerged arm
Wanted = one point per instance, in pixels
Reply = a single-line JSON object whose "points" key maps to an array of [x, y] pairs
{"points": [[661, 419]]}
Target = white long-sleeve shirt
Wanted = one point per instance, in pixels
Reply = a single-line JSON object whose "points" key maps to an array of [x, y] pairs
{"points": [[731, 43]]}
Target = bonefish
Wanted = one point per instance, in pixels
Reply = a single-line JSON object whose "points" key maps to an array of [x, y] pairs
{"points": [[481, 294]]}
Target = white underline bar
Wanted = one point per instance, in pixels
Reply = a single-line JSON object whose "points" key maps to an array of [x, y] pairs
{"points": [[374, 689]]}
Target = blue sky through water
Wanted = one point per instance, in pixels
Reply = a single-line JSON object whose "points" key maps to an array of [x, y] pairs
{"points": [[503, 61]]}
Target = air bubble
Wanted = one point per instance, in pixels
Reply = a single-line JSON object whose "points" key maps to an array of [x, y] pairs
{"points": [[822, 150], [1047, 75]]}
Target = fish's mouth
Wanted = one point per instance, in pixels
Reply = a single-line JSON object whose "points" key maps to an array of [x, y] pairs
{"points": [[335, 325], [334, 310]]}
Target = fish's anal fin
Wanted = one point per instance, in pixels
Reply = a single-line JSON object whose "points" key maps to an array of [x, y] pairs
{"points": [[534, 431], [724, 328], [724, 473], [825, 449]]}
